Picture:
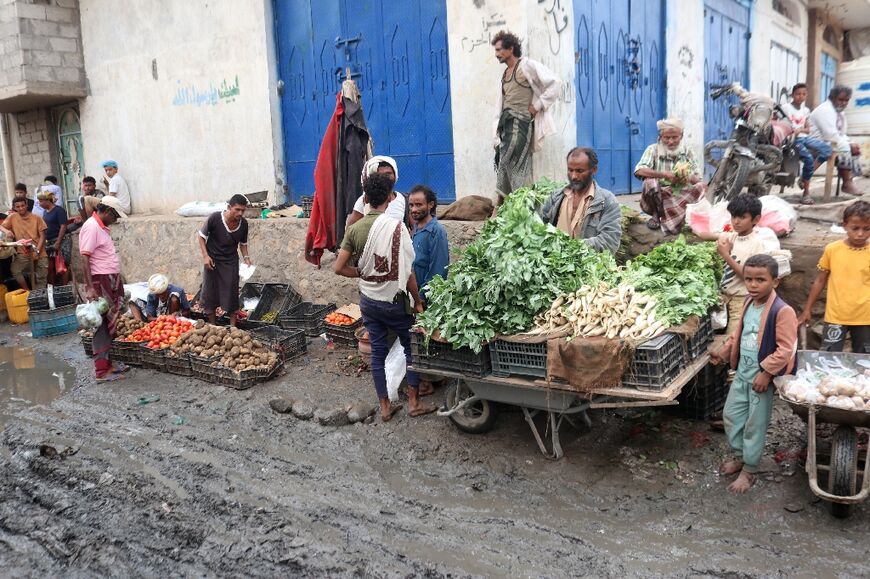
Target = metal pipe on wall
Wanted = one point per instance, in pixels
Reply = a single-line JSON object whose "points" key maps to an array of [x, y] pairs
{"points": [[8, 164]]}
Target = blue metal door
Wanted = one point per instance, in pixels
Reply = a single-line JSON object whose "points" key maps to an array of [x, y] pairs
{"points": [[397, 54], [619, 83], [827, 76], [726, 49]]}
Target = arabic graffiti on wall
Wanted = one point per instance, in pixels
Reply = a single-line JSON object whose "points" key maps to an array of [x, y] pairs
{"points": [[193, 95]]}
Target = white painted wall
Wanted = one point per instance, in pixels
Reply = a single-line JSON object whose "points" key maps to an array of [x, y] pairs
{"points": [[770, 26], [171, 150], [684, 61], [475, 82]]}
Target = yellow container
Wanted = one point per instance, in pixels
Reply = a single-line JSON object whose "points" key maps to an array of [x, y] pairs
{"points": [[16, 303], [2, 297]]}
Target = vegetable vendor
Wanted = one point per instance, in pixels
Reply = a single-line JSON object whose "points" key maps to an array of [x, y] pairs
{"points": [[222, 237], [671, 180], [102, 273], [583, 209], [388, 287], [164, 299]]}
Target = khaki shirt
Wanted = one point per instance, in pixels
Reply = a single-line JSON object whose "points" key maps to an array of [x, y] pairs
{"points": [[571, 221]]}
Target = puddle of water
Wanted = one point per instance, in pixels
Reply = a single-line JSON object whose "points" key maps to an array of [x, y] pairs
{"points": [[32, 378]]}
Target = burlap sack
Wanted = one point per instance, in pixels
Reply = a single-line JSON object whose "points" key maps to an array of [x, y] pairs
{"points": [[590, 363], [587, 363], [470, 208]]}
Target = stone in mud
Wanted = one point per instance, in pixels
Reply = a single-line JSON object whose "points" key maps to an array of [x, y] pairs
{"points": [[331, 417], [303, 410], [281, 405], [360, 411]]}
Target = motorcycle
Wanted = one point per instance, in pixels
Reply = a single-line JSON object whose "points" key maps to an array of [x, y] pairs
{"points": [[760, 152]]}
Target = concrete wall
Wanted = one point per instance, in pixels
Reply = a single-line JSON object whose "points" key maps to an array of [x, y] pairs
{"points": [[166, 244], [181, 98], [684, 61], [475, 76], [789, 32], [30, 134], [40, 53]]}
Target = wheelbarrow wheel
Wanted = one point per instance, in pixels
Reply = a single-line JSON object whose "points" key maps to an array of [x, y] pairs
{"points": [[842, 478], [476, 418]]}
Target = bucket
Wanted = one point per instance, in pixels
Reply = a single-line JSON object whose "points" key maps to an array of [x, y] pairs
{"points": [[16, 305]]}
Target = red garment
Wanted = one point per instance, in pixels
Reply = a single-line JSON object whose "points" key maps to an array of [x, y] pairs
{"points": [[321, 227]]}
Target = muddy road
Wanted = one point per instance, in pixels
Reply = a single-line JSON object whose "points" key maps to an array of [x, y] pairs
{"points": [[159, 475]]}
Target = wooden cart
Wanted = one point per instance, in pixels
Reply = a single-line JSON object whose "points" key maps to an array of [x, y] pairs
{"points": [[470, 401]]}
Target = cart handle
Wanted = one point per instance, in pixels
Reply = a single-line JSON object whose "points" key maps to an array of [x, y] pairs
{"points": [[802, 335]]}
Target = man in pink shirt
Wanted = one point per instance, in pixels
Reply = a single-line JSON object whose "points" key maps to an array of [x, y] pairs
{"points": [[102, 273]]}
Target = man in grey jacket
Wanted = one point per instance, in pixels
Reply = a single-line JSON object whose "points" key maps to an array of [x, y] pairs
{"points": [[583, 209]]}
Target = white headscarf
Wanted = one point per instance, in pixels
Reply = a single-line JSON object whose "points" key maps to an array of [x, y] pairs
{"points": [[158, 283], [371, 166], [670, 123]]}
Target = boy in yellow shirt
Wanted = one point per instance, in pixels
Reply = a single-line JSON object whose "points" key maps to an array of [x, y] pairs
{"points": [[845, 269]]}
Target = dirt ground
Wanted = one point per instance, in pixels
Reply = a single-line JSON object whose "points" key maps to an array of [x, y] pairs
{"points": [[209, 481]]}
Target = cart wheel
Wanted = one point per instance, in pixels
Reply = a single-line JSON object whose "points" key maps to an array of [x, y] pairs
{"points": [[842, 477], [476, 418]]}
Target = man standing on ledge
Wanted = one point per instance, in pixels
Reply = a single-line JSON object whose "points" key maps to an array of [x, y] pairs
{"points": [[584, 210], [527, 91]]}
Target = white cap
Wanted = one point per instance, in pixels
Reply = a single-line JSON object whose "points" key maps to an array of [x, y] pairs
{"points": [[112, 201]]}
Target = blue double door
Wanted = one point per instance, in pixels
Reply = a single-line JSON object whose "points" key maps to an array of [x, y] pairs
{"points": [[396, 52], [726, 54], [619, 82]]}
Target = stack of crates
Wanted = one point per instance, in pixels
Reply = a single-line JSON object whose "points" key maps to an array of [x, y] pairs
{"points": [[656, 363]]}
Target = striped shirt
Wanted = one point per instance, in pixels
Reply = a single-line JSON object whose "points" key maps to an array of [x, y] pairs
{"points": [[657, 157]]}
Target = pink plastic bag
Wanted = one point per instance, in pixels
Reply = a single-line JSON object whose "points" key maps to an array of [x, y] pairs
{"points": [[777, 214], [705, 218]]}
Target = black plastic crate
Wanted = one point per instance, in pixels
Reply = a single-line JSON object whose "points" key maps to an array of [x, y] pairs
{"points": [[343, 335], [307, 202], [88, 345], [696, 345], [288, 344], [655, 363], [209, 371], [441, 356], [126, 352], [178, 364], [704, 395], [307, 316], [37, 300], [153, 358], [272, 304], [518, 359]]}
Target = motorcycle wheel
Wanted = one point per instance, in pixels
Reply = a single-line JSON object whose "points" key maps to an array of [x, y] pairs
{"points": [[729, 179]]}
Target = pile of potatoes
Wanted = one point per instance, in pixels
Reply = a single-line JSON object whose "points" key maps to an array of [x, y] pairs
{"points": [[234, 348], [127, 325]]}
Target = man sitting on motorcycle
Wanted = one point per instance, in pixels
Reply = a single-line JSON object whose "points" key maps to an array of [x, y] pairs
{"points": [[813, 152], [829, 123], [670, 178]]}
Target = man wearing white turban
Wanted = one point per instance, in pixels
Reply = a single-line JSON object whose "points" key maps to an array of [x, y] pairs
{"points": [[398, 207], [165, 299], [671, 179]]}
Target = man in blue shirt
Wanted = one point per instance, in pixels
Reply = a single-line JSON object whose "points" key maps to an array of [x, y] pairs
{"points": [[430, 247], [429, 237], [165, 298]]}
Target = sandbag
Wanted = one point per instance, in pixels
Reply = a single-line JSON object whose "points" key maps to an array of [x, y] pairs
{"points": [[200, 208], [470, 208]]}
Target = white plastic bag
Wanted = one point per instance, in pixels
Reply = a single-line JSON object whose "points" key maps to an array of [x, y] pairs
{"points": [[777, 214], [200, 208], [246, 271], [89, 316], [395, 368], [705, 218], [719, 318]]}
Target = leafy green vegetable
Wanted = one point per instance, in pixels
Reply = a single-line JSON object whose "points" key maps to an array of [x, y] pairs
{"points": [[515, 268], [684, 278]]}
